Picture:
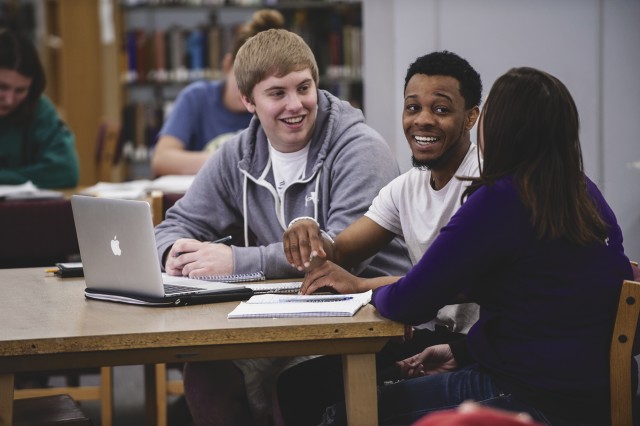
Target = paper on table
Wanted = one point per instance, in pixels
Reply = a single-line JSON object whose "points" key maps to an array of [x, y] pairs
{"points": [[26, 190], [131, 190], [138, 189], [278, 306], [172, 183]]}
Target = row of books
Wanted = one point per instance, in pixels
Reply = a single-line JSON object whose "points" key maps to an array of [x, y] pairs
{"points": [[253, 3], [180, 55], [136, 3], [174, 55]]}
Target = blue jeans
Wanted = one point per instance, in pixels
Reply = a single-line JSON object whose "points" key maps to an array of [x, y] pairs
{"points": [[404, 402]]}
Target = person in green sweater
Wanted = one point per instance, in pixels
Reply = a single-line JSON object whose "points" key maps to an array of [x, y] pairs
{"points": [[35, 144]]}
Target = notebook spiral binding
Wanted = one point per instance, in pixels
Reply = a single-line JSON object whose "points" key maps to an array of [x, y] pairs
{"points": [[235, 278]]}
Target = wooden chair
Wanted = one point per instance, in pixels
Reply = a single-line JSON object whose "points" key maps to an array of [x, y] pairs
{"points": [[108, 153], [49, 411], [158, 388], [102, 392], [39, 233], [621, 355]]}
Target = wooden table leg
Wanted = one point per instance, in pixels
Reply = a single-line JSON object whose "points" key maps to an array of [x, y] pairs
{"points": [[150, 388], [6, 399], [361, 396]]}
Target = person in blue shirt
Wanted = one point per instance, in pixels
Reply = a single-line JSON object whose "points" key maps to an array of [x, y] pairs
{"points": [[207, 113]]}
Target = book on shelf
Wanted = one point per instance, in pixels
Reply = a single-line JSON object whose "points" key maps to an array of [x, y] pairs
{"points": [[132, 56], [314, 305], [160, 73], [108, 149], [175, 55]]}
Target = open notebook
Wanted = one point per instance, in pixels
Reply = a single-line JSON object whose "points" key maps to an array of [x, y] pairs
{"points": [[282, 306], [120, 262]]}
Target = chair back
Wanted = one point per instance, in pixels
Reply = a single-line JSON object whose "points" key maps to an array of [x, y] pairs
{"points": [[621, 355], [37, 233]]}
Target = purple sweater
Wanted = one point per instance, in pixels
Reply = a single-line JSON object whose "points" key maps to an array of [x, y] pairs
{"points": [[546, 307]]}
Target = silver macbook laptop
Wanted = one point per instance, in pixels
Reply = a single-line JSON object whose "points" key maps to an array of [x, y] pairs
{"points": [[120, 261]]}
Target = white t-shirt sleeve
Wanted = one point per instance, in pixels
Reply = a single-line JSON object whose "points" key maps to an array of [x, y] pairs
{"points": [[384, 209]]}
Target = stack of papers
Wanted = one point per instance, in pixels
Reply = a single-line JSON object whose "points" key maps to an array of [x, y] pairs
{"points": [[138, 189], [281, 306], [131, 190], [27, 191], [172, 183]]}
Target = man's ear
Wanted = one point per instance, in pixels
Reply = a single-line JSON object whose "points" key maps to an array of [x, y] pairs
{"points": [[472, 117], [248, 104]]}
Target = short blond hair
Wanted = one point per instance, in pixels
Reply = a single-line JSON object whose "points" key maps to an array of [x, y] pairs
{"points": [[273, 52]]}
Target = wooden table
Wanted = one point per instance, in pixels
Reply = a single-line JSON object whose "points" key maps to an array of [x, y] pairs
{"points": [[46, 323]]}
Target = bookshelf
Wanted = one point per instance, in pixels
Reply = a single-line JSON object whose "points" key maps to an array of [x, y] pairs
{"points": [[79, 55], [167, 44]]}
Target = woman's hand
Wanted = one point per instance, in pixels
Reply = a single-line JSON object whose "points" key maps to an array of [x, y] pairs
{"points": [[330, 275], [432, 360]]}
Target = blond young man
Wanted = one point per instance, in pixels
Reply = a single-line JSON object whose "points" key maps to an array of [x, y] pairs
{"points": [[305, 153]]}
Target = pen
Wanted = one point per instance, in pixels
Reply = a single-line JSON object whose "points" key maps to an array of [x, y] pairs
{"points": [[323, 299], [222, 240], [218, 241]]}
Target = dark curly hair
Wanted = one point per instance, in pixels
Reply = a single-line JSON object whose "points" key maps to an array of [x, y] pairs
{"points": [[449, 64]]}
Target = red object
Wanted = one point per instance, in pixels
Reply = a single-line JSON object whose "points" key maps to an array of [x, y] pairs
{"points": [[478, 416]]}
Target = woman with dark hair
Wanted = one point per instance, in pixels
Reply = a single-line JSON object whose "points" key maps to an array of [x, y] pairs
{"points": [[536, 245], [35, 145]]}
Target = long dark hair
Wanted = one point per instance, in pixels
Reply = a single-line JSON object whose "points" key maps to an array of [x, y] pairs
{"points": [[17, 53], [530, 128]]}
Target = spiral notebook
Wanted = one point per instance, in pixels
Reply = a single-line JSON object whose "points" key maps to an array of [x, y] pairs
{"points": [[235, 278], [275, 306], [275, 288], [249, 280]]}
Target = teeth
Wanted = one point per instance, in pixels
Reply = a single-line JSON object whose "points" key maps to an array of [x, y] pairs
{"points": [[424, 139], [294, 120]]}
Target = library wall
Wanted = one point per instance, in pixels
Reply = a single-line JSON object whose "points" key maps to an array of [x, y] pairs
{"points": [[591, 45]]}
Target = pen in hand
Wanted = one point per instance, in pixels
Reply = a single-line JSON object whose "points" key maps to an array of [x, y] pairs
{"points": [[222, 240]]}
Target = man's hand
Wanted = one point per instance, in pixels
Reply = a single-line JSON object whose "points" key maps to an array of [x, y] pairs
{"points": [[432, 360], [330, 275], [192, 258], [302, 242]]}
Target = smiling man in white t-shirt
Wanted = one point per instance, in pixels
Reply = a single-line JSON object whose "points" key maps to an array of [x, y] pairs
{"points": [[441, 105]]}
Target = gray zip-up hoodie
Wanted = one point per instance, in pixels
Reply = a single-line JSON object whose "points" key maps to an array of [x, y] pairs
{"points": [[234, 193]]}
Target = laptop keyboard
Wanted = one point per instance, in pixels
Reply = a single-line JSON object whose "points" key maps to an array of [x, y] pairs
{"points": [[178, 289]]}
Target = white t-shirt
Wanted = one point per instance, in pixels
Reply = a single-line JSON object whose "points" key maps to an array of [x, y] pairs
{"points": [[287, 167], [408, 206]]}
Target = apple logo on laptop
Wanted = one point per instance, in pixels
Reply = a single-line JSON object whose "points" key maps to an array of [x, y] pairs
{"points": [[115, 246]]}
